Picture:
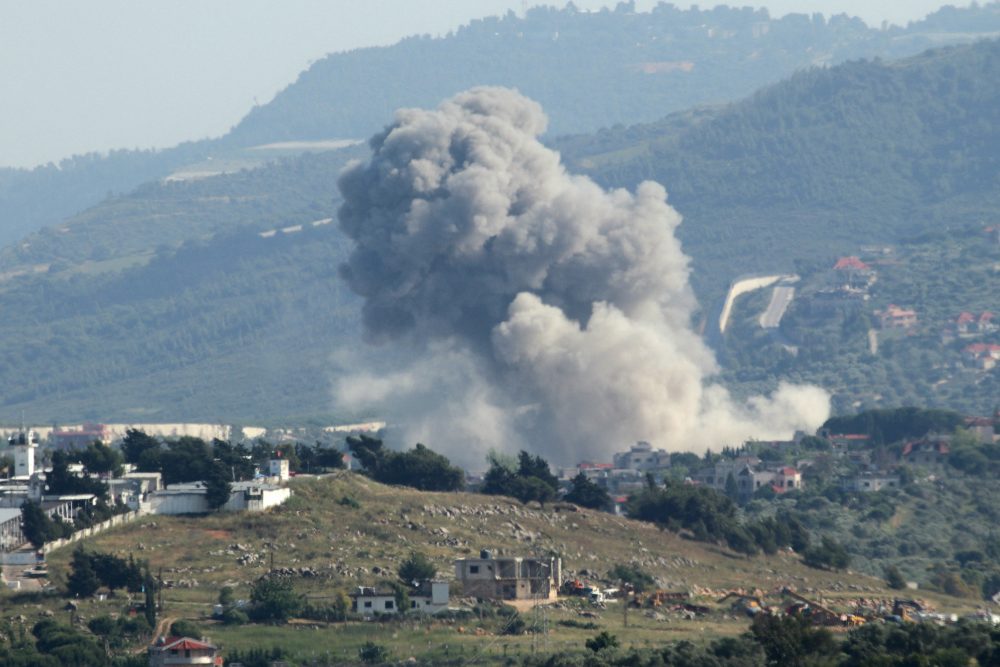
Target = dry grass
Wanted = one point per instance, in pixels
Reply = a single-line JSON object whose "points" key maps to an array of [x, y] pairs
{"points": [[347, 546]]}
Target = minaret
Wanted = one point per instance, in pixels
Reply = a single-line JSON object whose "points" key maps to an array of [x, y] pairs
{"points": [[24, 443]]}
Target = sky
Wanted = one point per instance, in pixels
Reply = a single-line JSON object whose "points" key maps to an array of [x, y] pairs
{"points": [[89, 76]]}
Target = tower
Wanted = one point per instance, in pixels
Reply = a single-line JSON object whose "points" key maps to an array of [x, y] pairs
{"points": [[24, 444]]}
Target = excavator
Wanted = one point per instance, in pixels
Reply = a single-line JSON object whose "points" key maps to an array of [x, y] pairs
{"points": [[819, 613], [751, 605]]}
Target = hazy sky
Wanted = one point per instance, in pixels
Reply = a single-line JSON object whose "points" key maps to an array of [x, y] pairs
{"points": [[83, 76]]}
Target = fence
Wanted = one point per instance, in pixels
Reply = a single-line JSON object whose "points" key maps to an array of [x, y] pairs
{"points": [[116, 520]]}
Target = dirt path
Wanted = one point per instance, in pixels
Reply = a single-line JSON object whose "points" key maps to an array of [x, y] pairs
{"points": [[162, 630]]}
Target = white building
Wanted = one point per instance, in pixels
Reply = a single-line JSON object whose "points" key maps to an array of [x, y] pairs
{"points": [[24, 444], [430, 597], [278, 468], [642, 456], [190, 498]]}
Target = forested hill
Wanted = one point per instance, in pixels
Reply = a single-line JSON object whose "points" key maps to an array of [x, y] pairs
{"points": [[867, 151], [122, 324], [589, 70]]}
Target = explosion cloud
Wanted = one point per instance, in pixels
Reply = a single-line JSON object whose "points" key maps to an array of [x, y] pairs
{"points": [[539, 311]]}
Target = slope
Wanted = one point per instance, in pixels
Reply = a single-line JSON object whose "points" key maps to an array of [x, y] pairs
{"points": [[330, 544], [588, 69], [860, 153]]}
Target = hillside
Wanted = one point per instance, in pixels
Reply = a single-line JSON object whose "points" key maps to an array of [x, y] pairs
{"points": [[342, 546], [862, 153], [939, 276], [207, 331], [590, 70]]}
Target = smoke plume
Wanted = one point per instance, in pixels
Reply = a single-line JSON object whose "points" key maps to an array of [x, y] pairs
{"points": [[538, 310]]}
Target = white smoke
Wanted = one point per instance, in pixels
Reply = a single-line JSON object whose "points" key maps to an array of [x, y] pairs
{"points": [[540, 311]]}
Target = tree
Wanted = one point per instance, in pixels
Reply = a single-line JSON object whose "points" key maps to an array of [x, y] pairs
{"points": [[185, 628], [639, 579], [830, 554], [417, 567], [529, 479], [82, 581], [420, 468], [894, 579], [273, 599], [602, 641], [100, 459], [217, 485], [586, 493], [791, 640], [136, 443], [35, 524]]}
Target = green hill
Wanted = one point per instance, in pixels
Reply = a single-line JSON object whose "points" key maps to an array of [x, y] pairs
{"points": [[589, 70], [110, 319], [344, 544], [861, 153]]}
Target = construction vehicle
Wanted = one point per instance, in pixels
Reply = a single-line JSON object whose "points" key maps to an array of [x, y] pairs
{"points": [[658, 598], [751, 605], [818, 613], [907, 610]]}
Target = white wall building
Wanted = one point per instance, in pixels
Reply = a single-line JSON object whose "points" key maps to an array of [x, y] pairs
{"points": [[190, 498]]}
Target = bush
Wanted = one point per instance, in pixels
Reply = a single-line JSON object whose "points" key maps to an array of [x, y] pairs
{"points": [[186, 628], [416, 568], [634, 575], [371, 653], [602, 641], [273, 599]]}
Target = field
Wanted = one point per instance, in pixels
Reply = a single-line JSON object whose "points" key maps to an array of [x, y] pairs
{"points": [[342, 530]]}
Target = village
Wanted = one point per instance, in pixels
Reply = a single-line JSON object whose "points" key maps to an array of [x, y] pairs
{"points": [[755, 470]]}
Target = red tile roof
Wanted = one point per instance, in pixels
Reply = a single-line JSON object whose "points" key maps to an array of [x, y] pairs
{"points": [[184, 644], [965, 317], [854, 263]]}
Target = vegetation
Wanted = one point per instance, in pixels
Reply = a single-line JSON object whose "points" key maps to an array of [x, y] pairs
{"points": [[274, 600], [416, 568], [527, 479], [419, 468], [586, 493], [90, 570]]}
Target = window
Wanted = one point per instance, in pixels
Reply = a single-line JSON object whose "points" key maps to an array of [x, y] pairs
{"points": [[473, 569], [413, 604], [368, 604], [389, 604]]}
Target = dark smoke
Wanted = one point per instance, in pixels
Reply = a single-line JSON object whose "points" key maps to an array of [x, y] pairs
{"points": [[539, 310]]}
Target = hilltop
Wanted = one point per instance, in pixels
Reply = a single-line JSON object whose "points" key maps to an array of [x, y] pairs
{"points": [[589, 69], [332, 544]]}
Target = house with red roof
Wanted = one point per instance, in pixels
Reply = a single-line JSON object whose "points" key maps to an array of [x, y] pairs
{"points": [[983, 356], [894, 317], [968, 325], [171, 651], [786, 478], [851, 273]]}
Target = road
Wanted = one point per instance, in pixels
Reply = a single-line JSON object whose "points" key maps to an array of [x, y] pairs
{"points": [[781, 297]]}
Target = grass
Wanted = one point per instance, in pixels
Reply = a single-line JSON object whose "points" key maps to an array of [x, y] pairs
{"points": [[347, 546]]}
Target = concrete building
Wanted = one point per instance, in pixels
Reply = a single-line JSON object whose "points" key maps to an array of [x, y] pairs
{"points": [[869, 483], [642, 456], [509, 578], [190, 498], [429, 597], [278, 468], [183, 651], [79, 438], [24, 444]]}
